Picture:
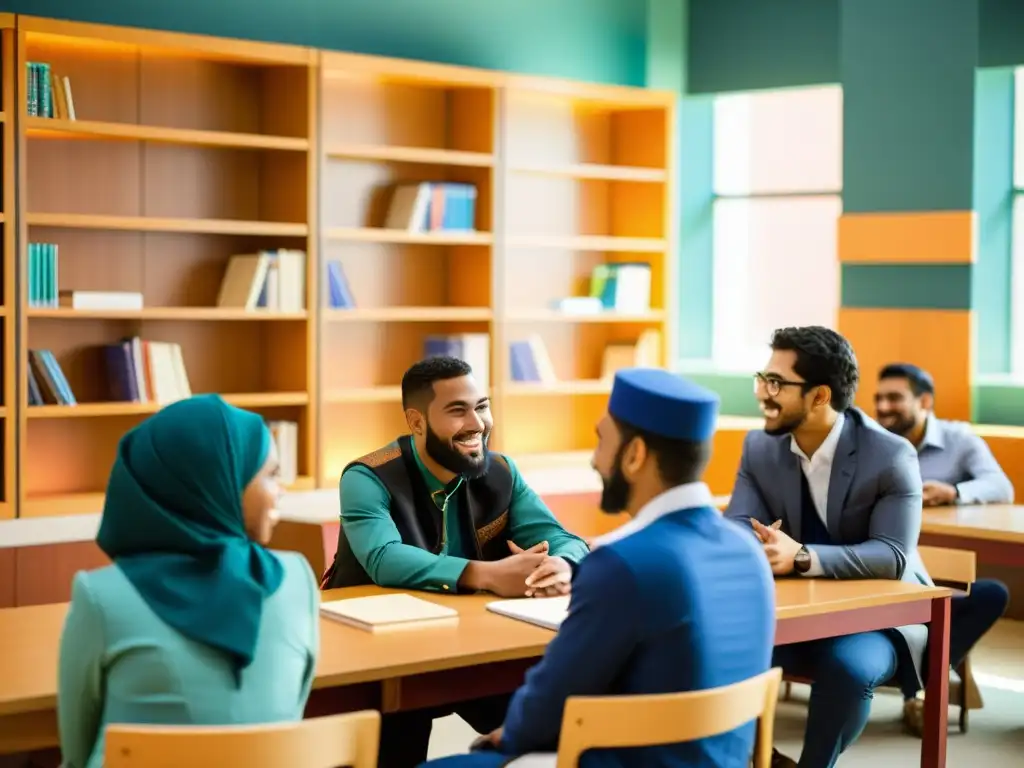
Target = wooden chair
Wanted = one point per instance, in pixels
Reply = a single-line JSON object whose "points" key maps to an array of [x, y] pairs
{"points": [[604, 722], [320, 742], [954, 568]]}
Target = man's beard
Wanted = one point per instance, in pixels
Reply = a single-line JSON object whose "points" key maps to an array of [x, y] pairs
{"points": [[902, 426], [615, 490], [787, 424], [448, 456]]}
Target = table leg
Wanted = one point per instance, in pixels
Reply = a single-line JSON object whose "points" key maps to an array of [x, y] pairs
{"points": [[936, 696]]}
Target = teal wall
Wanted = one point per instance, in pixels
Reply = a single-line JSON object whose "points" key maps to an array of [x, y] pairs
{"points": [[594, 40]]}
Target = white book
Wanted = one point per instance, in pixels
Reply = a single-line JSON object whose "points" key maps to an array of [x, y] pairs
{"points": [[381, 613], [547, 612]]}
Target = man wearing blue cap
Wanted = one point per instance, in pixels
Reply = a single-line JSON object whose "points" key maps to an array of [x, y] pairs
{"points": [[676, 600]]}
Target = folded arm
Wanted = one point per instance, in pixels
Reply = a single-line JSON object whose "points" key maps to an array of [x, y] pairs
{"points": [[531, 522], [892, 533], [377, 544], [587, 654], [80, 683], [988, 483]]}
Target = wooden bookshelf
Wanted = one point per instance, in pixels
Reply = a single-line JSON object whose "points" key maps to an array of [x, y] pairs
{"points": [[9, 227], [383, 123], [587, 180], [184, 151]]}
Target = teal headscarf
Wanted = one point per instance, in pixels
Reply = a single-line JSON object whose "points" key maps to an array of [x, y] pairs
{"points": [[172, 522]]}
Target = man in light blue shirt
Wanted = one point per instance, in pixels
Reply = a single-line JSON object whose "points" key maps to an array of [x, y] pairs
{"points": [[957, 467]]}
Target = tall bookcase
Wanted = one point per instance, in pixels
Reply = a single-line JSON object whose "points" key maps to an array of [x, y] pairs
{"points": [[383, 123], [587, 182], [186, 150], [568, 177], [9, 225]]}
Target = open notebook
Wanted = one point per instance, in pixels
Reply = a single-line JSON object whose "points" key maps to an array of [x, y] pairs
{"points": [[547, 612], [380, 613]]}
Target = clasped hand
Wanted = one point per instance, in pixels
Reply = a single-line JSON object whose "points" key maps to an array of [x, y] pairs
{"points": [[550, 576], [778, 547]]}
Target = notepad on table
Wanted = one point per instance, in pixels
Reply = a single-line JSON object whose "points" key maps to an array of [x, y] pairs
{"points": [[380, 613], [547, 612]]}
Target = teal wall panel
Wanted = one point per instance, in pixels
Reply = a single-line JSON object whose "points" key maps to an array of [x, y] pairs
{"points": [[735, 390], [1001, 33], [737, 45], [993, 201], [596, 40], [999, 404], [696, 253], [906, 286], [907, 71]]}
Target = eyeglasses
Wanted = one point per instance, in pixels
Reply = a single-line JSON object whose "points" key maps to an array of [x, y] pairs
{"points": [[773, 384]]}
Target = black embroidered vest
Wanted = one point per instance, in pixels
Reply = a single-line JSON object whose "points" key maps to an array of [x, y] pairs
{"points": [[482, 503]]}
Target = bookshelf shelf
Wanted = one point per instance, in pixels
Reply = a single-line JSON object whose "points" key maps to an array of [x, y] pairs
{"points": [[180, 153], [55, 128], [408, 314], [398, 236], [422, 155], [160, 224], [166, 313], [596, 172]]}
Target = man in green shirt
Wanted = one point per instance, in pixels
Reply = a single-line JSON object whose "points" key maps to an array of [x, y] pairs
{"points": [[437, 510]]}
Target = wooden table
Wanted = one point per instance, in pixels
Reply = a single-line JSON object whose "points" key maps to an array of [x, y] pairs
{"points": [[440, 666], [994, 531]]}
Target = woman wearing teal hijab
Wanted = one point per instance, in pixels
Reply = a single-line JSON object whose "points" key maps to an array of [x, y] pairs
{"points": [[195, 623]]}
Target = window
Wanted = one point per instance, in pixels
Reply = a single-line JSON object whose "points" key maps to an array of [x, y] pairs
{"points": [[777, 184], [1017, 230]]}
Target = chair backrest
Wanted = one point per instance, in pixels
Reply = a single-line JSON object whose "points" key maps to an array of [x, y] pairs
{"points": [[603, 722], [950, 566], [349, 740]]}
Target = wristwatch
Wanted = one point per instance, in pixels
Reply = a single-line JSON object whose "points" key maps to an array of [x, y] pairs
{"points": [[802, 560]]}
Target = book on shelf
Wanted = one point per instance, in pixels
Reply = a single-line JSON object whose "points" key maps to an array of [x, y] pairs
{"points": [[140, 371], [43, 275], [622, 286], [645, 352], [100, 300], [47, 384], [339, 292], [530, 361], [270, 280], [381, 613], [47, 93], [286, 439], [472, 348], [433, 207]]}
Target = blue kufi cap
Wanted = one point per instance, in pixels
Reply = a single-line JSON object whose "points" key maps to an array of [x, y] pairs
{"points": [[664, 404]]}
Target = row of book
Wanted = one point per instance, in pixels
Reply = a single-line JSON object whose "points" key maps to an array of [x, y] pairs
{"points": [[531, 362], [47, 93], [269, 280], [432, 206]]}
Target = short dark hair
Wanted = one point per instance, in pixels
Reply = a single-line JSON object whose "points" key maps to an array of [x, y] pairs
{"points": [[921, 382], [418, 381], [678, 461], [823, 357]]}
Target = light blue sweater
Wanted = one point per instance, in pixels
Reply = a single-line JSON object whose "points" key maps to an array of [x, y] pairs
{"points": [[119, 663]]}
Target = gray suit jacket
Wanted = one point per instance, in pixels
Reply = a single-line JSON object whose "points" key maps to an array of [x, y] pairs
{"points": [[874, 506]]}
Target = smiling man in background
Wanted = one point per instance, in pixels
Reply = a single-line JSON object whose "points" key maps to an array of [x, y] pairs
{"points": [[437, 510]]}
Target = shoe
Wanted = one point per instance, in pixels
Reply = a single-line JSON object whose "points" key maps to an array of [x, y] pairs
{"points": [[779, 760], [913, 717]]}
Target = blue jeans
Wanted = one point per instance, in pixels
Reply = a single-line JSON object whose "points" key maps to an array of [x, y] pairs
{"points": [[846, 671]]}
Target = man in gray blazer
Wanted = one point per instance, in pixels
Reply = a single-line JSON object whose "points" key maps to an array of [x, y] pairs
{"points": [[831, 494]]}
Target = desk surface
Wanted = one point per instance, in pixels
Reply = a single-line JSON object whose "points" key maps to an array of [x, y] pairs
{"points": [[31, 636], [992, 522]]}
